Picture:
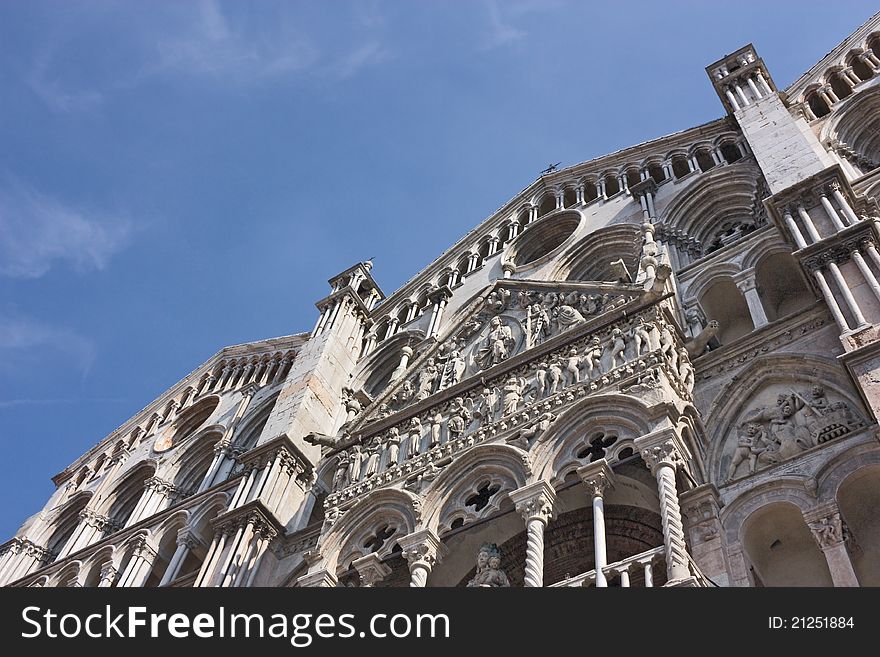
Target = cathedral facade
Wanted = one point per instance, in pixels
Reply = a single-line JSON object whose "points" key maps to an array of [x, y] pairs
{"points": [[660, 367]]}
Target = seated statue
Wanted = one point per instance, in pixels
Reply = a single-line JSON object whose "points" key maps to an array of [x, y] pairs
{"points": [[489, 573]]}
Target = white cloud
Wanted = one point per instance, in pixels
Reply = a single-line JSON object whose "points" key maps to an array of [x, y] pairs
{"points": [[499, 31], [25, 339], [36, 231], [51, 91], [350, 64]]}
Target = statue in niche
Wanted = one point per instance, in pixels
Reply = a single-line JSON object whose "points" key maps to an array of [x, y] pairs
{"points": [[426, 379], [453, 370], [618, 347], [374, 454], [460, 412], [487, 405], [641, 333], [572, 366], [340, 475], [392, 442], [593, 357], [436, 424], [489, 573], [497, 346], [414, 445], [356, 459], [513, 393]]}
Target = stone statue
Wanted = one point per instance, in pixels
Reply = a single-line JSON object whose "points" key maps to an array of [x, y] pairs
{"points": [[453, 370], [751, 442], [340, 476], [642, 336], [414, 445], [498, 344], [488, 403], [354, 464], [572, 366], [374, 454], [698, 345], [489, 573], [555, 374], [566, 317], [541, 378], [618, 347], [667, 347], [436, 424], [460, 411], [538, 323], [685, 369], [404, 395], [593, 357], [426, 379], [513, 393], [392, 440]]}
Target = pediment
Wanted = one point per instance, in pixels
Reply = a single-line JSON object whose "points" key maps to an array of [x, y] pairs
{"points": [[504, 320]]}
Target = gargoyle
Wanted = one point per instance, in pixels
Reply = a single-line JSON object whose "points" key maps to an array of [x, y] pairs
{"points": [[698, 345]]}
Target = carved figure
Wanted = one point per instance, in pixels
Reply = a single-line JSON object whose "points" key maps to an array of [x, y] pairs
{"points": [[489, 573], [541, 379], [555, 374], [426, 379], [354, 464], [593, 357], [340, 476], [415, 438], [488, 403], [460, 411], [685, 370], [374, 453], [392, 440], [436, 423], [642, 336], [618, 347], [572, 366], [453, 370], [498, 345], [513, 393], [667, 347]]}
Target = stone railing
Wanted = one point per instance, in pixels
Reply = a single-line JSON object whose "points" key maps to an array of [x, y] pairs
{"points": [[622, 571]]}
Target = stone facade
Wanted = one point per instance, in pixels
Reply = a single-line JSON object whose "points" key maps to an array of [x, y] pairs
{"points": [[656, 368]]}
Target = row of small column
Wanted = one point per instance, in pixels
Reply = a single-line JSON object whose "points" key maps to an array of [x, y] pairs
{"points": [[235, 376], [845, 75], [20, 557], [757, 84]]}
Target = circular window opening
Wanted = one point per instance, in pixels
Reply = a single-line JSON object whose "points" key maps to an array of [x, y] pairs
{"points": [[545, 238]]}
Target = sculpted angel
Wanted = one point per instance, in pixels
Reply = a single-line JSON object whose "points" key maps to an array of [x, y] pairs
{"points": [[497, 346]]}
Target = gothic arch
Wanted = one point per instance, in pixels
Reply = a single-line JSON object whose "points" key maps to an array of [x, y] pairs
{"points": [[374, 374], [119, 504], [386, 507], [497, 469], [857, 125], [63, 522], [252, 424], [539, 241], [621, 417], [833, 474]]}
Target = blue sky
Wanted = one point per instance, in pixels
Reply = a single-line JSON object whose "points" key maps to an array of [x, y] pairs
{"points": [[180, 176]]}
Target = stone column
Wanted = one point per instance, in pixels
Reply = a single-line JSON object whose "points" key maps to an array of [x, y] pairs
{"points": [[848, 297], [186, 543], [535, 503], [663, 451], [406, 353], [808, 223], [598, 477], [830, 211], [831, 301], [843, 204], [830, 533], [109, 574], [422, 551], [746, 284], [371, 569], [508, 269], [867, 274], [701, 507]]}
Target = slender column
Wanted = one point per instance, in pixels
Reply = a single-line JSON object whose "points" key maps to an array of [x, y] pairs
{"points": [[844, 205], [763, 81], [508, 269], [109, 573], [830, 211], [741, 95], [830, 91], [252, 566], [282, 368], [406, 353], [748, 286], [600, 187], [753, 87], [868, 275], [830, 533], [598, 477], [422, 551], [732, 98], [186, 542], [624, 577], [579, 194], [808, 223], [371, 569], [831, 301], [211, 559], [872, 252], [663, 452], [847, 294], [824, 94], [535, 503], [649, 574], [533, 213]]}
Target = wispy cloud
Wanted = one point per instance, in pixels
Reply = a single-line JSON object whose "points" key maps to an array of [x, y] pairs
{"points": [[24, 339], [36, 231], [50, 89], [499, 31], [213, 45], [350, 64]]}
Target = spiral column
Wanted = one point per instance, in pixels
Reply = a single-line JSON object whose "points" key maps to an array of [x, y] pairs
{"points": [[422, 551], [535, 503], [663, 452]]}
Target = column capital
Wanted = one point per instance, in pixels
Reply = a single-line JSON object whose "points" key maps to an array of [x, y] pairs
{"points": [[422, 548], [663, 447], [190, 539], [371, 569], [826, 524], [535, 501], [320, 578], [598, 477]]}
